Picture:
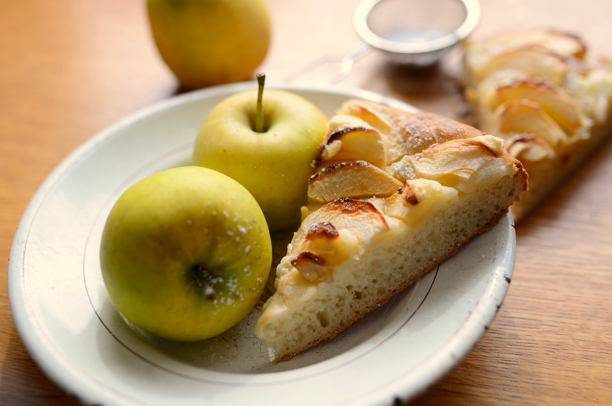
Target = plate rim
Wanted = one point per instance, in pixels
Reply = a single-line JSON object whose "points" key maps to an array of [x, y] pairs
{"points": [[43, 352]]}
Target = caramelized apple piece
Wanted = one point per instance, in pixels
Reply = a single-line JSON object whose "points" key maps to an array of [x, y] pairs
{"points": [[352, 139], [464, 164], [364, 111], [552, 99], [531, 61], [321, 248], [373, 114], [338, 230], [350, 179], [529, 148], [479, 53], [360, 217], [523, 116]]}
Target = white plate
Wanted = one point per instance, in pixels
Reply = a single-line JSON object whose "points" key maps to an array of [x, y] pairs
{"points": [[69, 325]]}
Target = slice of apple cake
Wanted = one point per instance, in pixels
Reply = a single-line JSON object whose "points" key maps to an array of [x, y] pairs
{"points": [[395, 194], [546, 95]]}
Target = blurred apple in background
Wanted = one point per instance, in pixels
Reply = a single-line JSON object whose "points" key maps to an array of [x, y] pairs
{"points": [[185, 253], [266, 142], [210, 42]]}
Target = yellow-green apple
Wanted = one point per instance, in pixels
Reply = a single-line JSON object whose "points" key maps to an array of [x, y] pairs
{"points": [[185, 253], [209, 42], [273, 161]]}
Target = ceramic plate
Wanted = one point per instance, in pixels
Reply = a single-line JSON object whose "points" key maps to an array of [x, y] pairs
{"points": [[71, 328]]}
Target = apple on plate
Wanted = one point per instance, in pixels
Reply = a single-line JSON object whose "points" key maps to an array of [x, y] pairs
{"points": [[210, 42], [185, 253], [266, 142]]}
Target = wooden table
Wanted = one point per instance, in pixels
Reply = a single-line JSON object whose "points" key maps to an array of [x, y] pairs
{"points": [[70, 68]]}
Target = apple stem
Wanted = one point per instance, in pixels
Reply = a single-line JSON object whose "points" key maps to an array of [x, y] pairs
{"points": [[259, 115]]}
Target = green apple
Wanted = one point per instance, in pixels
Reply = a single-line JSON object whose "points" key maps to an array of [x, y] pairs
{"points": [[185, 253], [273, 161], [209, 42]]}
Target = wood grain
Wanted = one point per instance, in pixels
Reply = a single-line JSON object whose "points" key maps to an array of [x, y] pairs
{"points": [[70, 68]]}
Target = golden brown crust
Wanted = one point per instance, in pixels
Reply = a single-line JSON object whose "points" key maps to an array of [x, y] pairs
{"points": [[520, 172], [418, 131], [423, 130]]}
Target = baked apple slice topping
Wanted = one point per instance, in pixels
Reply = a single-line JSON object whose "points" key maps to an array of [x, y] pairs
{"points": [[529, 148], [352, 139], [363, 111], [350, 179], [552, 99], [526, 117], [456, 162], [562, 43], [530, 60]]}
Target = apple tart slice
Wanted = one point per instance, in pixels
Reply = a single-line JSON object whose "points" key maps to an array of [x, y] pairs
{"points": [[381, 217], [546, 95]]}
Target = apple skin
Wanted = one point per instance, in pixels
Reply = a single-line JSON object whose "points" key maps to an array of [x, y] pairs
{"points": [[273, 165], [210, 42], [166, 224]]}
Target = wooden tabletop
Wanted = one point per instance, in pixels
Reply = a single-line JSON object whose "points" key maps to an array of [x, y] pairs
{"points": [[70, 68]]}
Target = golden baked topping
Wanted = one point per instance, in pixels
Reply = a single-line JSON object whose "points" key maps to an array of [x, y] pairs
{"points": [[350, 179], [529, 147], [453, 163], [422, 130], [524, 116], [368, 113], [551, 98], [351, 139]]}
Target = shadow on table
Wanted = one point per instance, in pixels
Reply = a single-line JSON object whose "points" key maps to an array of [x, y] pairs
{"points": [[435, 89]]}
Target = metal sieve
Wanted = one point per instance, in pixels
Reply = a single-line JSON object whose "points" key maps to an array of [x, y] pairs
{"points": [[413, 33]]}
